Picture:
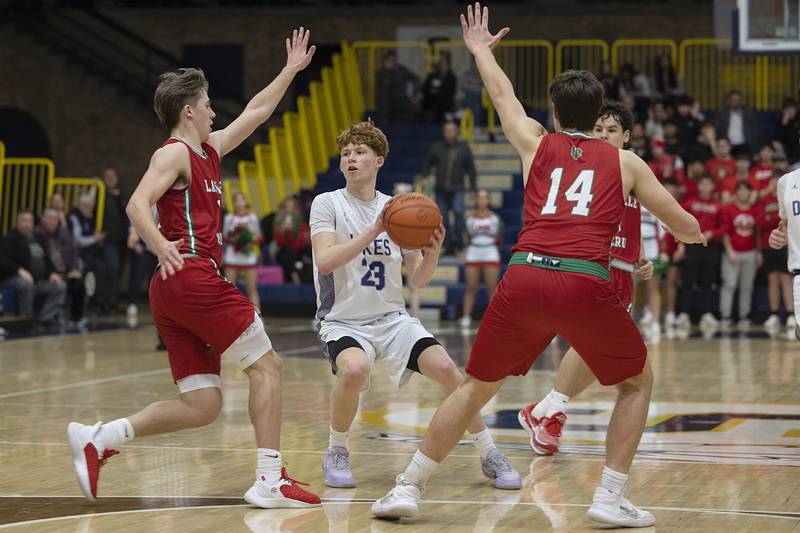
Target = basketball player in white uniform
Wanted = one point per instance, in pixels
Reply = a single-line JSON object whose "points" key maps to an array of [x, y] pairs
{"points": [[788, 232], [361, 308]]}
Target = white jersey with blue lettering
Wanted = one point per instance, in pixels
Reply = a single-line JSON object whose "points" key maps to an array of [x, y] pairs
{"points": [[789, 209], [370, 285]]}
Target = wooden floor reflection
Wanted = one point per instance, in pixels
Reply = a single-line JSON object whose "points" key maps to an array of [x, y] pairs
{"points": [[721, 452]]}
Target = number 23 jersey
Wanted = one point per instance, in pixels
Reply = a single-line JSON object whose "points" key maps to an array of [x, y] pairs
{"points": [[371, 284], [573, 198]]}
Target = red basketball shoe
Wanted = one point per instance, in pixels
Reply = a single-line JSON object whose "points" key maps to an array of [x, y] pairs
{"points": [[87, 456], [545, 432]]}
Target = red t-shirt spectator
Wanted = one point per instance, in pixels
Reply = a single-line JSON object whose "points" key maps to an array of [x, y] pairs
{"points": [[721, 169], [740, 225], [689, 187], [767, 218], [760, 175], [728, 185], [708, 214]]}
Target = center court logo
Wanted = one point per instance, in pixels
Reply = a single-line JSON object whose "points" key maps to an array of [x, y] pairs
{"points": [[721, 433]]}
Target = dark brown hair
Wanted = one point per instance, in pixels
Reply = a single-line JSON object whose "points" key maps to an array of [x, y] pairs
{"points": [[617, 111], [577, 96], [364, 133], [175, 90]]}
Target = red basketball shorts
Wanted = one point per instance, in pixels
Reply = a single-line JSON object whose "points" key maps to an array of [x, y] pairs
{"points": [[199, 314], [532, 305], [622, 283]]}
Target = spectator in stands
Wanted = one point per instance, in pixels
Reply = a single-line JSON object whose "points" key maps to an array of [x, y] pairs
{"points": [[695, 168], [609, 81], [700, 149], [395, 88], [90, 244], [629, 101], [780, 162], [739, 263], [242, 236], [66, 262], [688, 119], [664, 165], [727, 187], [266, 224], [722, 165], [761, 173], [701, 264], [115, 249], [471, 86], [636, 84], [143, 264], [656, 116], [439, 92], [668, 84], [779, 279], [671, 142], [638, 143], [26, 266], [291, 236], [787, 130], [738, 124], [450, 160], [58, 204]]}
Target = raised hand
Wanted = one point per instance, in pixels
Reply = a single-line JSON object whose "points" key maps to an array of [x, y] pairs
{"points": [[476, 29], [298, 54]]}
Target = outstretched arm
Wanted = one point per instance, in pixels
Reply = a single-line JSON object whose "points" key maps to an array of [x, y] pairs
{"points": [[262, 105], [522, 131]]}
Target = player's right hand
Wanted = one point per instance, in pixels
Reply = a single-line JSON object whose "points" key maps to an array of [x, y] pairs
{"points": [[476, 29], [169, 257], [378, 226], [777, 239]]}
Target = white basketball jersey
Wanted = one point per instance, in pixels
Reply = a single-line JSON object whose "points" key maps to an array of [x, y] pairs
{"points": [[369, 286], [789, 202]]}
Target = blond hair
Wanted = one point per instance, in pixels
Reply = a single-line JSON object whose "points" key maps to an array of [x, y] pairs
{"points": [[367, 134], [175, 90]]}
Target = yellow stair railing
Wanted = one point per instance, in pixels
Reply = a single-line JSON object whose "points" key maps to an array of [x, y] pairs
{"points": [[71, 190]]}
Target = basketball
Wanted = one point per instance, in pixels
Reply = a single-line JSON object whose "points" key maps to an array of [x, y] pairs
{"points": [[411, 219]]}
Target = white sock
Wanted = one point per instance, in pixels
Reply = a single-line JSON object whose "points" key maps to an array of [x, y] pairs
{"points": [[558, 403], [614, 481], [420, 469], [483, 440], [337, 439], [115, 434], [540, 409], [269, 465]]}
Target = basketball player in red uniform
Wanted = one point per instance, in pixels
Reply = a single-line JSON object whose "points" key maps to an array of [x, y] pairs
{"points": [[545, 419], [557, 281], [200, 315]]}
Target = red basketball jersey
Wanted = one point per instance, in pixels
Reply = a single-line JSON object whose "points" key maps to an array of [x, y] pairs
{"points": [[627, 242], [194, 214], [573, 198]]}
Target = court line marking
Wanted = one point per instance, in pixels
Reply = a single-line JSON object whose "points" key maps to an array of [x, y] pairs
{"points": [[340, 501], [122, 377]]}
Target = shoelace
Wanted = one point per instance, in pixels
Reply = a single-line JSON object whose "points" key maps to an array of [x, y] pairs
{"points": [[285, 477], [554, 424], [106, 455], [341, 460], [499, 462]]}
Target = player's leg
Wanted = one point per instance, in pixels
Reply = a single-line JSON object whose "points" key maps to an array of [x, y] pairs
{"points": [[654, 304], [251, 286], [730, 276], [432, 361], [351, 366], [673, 277], [508, 342], [774, 292], [472, 275], [747, 277], [788, 300]]}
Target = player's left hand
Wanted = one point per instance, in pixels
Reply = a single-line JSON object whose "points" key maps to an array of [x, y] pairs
{"points": [[298, 54], [777, 239], [644, 268], [476, 29], [436, 242]]}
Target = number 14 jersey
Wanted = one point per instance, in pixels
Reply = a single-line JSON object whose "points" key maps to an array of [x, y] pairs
{"points": [[573, 198], [371, 284]]}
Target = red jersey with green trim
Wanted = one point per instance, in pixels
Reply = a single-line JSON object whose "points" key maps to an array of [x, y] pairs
{"points": [[573, 198], [627, 243], [194, 214]]}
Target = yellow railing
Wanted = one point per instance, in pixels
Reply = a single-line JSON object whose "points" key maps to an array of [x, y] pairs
{"points": [[467, 126], [71, 190], [642, 54], [24, 186], [581, 54]]}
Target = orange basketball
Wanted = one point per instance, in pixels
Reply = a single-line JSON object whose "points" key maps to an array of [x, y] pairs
{"points": [[411, 219]]}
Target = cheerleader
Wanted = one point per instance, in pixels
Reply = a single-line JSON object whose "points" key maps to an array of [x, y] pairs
{"points": [[242, 235]]}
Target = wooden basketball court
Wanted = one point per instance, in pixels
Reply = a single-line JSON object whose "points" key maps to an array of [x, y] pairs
{"points": [[721, 453]]}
